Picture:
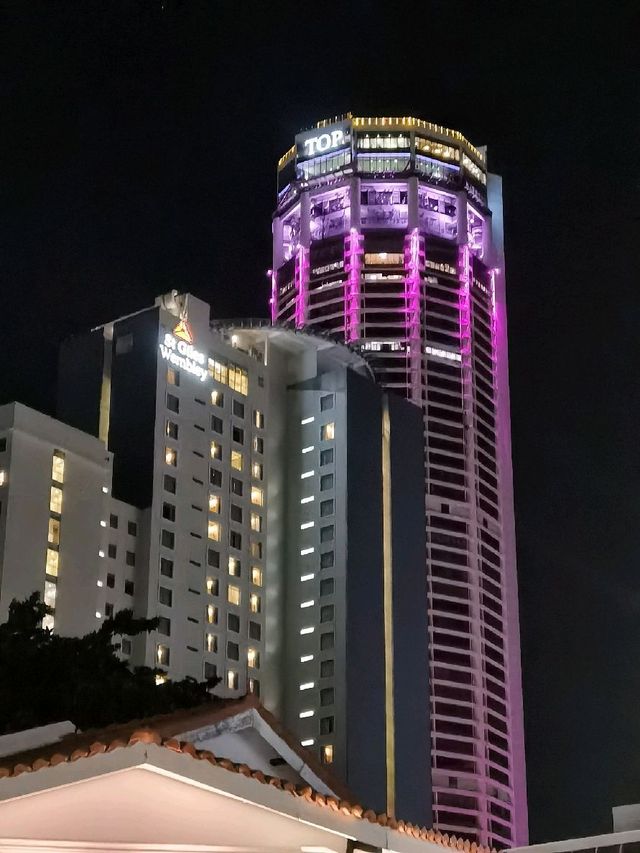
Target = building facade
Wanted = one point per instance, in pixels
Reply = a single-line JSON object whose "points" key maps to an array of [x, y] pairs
{"points": [[279, 528], [388, 234]]}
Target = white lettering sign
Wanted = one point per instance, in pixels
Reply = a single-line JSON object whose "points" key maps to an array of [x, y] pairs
{"points": [[324, 142], [184, 355]]}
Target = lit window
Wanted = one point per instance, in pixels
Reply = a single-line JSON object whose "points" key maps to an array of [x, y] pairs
{"points": [[232, 680], [254, 603], [171, 456], [258, 419], [256, 470], [307, 685], [253, 658], [213, 530], [57, 467], [304, 714], [214, 503], [162, 655], [257, 496], [218, 371], [55, 500], [216, 450], [256, 576], [238, 379], [172, 430], [256, 522], [211, 614], [254, 686], [3, 479], [234, 567], [53, 561], [327, 431], [217, 398], [50, 590], [53, 536], [160, 679], [211, 643], [236, 460], [212, 586], [173, 377], [327, 753], [233, 595]]}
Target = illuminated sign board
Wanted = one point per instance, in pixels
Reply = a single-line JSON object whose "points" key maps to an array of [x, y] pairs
{"points": [[323, 140], [177, 348]]}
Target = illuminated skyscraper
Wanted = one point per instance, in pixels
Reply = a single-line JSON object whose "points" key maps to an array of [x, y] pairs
{"points": [[388, 234]]}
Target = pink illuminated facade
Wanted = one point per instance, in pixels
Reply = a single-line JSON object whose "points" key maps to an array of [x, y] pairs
{"points": [[388, 234]]}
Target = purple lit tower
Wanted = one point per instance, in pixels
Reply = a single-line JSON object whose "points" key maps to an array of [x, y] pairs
{"points": [[389, 234]]}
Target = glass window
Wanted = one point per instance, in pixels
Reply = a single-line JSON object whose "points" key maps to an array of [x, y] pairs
{"points": [[254, 603], [171, 456], [326, 456], [237, 435], [172, 430], [210, 670], [214, 504], [57, 467], [326, 482], [326, 560], [111, 580], [132, 527], [256, 522], [162, 655], [236, 460], [169, 483], [233, 622], [173, 404], [166, 567], [238, 379], [165, 596], [128, 587], [53, 562], [326, 725], [211, 614], [257, 496], [326, 613], [256, 576], [112, 551], [256, 549], [211, 643], [164, 626], [173, 376], [254, 686], [258, 419], [216, 450], [326, 402], [326, 508], [257, 470], [130, 558], [234, 567], [168, 538], [258, 444], [326, 586], [212, 586], [213, 530], [168, 511], [217, 399], [327, 753], [326, 641], [50, 590], [213, 558], [326, 696], [327, 431], [236, 486], [238, 409], [215, 477], [235, 539], [327, 533], [236, 513], [255, 630], [253, 658], [233, 650], [216, 424], [55, 499], [326, 668], [218, 371], [232, 680], [53, 536]]}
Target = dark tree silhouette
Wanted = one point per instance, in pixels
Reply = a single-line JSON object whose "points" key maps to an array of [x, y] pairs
{"points": [[45, 678]]}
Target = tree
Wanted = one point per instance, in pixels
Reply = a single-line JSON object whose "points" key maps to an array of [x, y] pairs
{"points": [[45, 678]]}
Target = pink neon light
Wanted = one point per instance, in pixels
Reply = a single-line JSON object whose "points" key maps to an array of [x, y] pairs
{"points": [[464, 274], [273, 302], [413, 263], [301, 282], [353, 266]]}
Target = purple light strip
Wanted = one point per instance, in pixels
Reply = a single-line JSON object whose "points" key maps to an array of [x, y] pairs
{"points": [[273, 302], [464, 275], [353, 267], [302, 282], [413, 263]]}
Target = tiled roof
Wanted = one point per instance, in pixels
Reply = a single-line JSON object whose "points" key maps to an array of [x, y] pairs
{"points": [[153, 731]]}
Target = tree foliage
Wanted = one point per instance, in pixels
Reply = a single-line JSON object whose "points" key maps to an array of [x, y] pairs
{"points": [[45, 678]]}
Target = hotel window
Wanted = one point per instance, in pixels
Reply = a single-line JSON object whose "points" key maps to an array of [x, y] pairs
{"points": [[212, 586], [326, 613], [214, 503], [167, 539], [162, 655], [213, 530], [3, 479], [173, 377], [256, 576], [132, 527], [238, 379], [128, 587], [112, 551], [213, 558], [327, 560], [236, 513], [258, 444], [327, 753], [255, 630], [233, 650], [210, 670], [238, 409], [257, 496], [326, 668], [211, 615], [218, 371], [253, 658], [50, 589], [236, 460], [168, 511], [173, 404], [233, 595], [326, 725], [257, 470], [326, 696], [255, 549], [233, 623], [256, 522], [169, 484], [327, 533], [326, 508], [217, 399], [217, 425], [55, 500], [254, 686], [165, 596], [171, 456], [172, 430], [53, 537], [326, 402], [234, 567], [326, 456], [3, 444], [232, 680], [327, 431], [211, 643], [235, 539], [130, 558], [166, 567], [113, 521], [111, 580], [258, 419], [53, 562], [216, 450], [326, 586], [254, 603], [236, 486], [326, 482], [237, 435], [327, 641], [164, 626], [57, 467], [215, 477]]}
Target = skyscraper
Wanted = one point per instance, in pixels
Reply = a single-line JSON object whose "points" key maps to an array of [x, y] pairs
{"points": [[388, 234]]}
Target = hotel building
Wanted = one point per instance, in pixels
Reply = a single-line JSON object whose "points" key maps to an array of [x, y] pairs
{"points": [[388, 234]]}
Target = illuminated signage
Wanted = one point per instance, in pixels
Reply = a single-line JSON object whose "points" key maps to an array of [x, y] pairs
{"points": [[323, 140], [177, 348]]}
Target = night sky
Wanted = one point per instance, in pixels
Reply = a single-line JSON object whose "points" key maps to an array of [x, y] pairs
{"points": [[138, 147]]}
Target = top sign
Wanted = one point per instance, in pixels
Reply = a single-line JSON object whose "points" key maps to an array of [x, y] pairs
{"points": [[323, 140]]}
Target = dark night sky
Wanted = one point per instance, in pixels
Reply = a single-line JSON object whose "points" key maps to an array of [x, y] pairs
{"points": [[138, 144]]}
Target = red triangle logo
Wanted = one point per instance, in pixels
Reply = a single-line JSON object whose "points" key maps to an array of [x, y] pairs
{"points": [[183, 331]]}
